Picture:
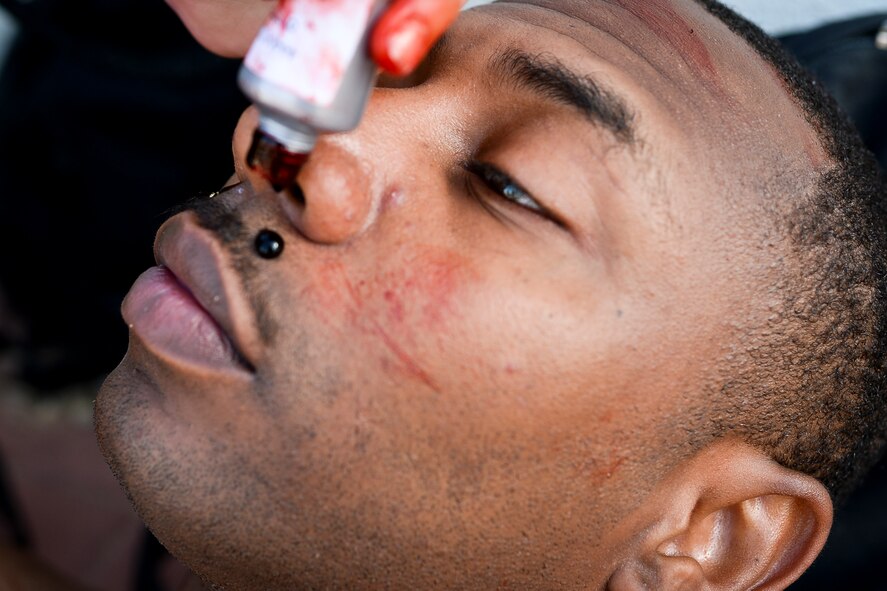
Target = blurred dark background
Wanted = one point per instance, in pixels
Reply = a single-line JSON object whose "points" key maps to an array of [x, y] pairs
{"points": [[110, 115]]}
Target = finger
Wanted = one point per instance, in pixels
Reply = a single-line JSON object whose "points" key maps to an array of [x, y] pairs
{"points": [[407, 30], [225, 27]]}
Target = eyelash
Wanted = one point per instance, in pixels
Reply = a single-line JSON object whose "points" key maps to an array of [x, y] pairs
{"points": [[506, 188]]}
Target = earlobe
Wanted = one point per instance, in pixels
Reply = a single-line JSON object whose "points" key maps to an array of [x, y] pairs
{"points": [[731, 519]]}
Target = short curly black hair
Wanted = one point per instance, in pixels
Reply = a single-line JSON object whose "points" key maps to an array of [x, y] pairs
{"points": [[826, 415]]}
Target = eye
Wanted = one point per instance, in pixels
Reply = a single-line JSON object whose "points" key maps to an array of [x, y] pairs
{"points": [[498, 182]]}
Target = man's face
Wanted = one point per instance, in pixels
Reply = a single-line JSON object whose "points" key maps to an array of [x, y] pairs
{"points": [[495, 315]]}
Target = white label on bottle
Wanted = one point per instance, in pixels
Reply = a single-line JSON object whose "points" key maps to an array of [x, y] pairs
{"points": [[306, 46]]}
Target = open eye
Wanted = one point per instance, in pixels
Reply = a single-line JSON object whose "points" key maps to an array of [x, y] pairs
{"points": [[496, 181]]}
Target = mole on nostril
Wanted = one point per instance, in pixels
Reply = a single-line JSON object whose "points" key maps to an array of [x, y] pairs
{"points": [[269, 244]]}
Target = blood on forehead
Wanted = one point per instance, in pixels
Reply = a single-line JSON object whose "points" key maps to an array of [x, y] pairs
{"points": [[667, 24]]}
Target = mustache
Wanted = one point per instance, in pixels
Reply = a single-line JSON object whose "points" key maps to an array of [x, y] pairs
{"points": [[217, 215], [223, 219]]}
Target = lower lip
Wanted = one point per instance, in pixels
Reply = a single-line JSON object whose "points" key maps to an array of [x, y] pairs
{"points": [[174, 326]]}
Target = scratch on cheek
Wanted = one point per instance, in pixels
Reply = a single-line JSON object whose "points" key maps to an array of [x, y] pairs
{"points": [[606, 469], [406, 360], [393, 306]]}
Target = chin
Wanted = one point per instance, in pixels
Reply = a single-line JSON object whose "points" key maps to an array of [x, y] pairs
{"points": [[125, 428], [116, 415], [188, 492]]}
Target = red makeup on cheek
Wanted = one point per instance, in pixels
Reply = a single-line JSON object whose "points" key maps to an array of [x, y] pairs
{"points": [[394, 307]]}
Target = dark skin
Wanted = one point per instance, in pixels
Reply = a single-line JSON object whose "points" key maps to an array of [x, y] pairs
{"points": [[458, 378]]}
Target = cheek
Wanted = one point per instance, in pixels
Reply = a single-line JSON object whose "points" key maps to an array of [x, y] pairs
{"points": [[400, 313]]}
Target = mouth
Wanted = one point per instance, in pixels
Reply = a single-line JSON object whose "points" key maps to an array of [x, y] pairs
{"points": [[190, 311]]}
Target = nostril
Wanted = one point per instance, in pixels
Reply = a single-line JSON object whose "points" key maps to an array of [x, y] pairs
{"points": [[297, 194], [273, 161]]}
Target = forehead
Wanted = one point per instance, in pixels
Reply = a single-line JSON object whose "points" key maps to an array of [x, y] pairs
{"points": [[690, 76]]}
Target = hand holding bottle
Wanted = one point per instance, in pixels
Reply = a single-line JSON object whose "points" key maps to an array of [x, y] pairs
{"points": [[404, 33]]}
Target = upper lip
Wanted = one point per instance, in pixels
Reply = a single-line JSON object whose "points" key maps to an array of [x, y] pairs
{"points": [[198, 261]]}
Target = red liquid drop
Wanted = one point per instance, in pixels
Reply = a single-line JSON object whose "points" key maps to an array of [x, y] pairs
{"points": [[277, 164]]}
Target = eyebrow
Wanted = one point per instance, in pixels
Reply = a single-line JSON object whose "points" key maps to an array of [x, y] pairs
{"points": [[549, 78]]}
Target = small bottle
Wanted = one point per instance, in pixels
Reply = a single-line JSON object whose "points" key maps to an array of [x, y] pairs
{"points": [[308, 72]]}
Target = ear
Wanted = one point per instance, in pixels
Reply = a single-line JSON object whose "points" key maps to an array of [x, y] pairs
{"points": [[730, 519]]}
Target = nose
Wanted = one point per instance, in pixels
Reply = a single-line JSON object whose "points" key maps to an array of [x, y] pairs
{"points": [[332, 201]]}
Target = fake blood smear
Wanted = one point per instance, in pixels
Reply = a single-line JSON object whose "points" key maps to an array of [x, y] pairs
{"points": [[668, 25], [272, 160]]}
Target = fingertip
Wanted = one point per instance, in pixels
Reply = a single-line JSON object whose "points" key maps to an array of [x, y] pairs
{"points": [[407, 31], [399, 50]]}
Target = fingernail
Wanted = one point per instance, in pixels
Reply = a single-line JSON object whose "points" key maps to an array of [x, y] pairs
{"points": [[406, 46]]}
